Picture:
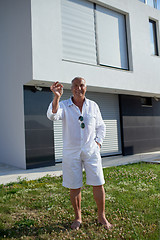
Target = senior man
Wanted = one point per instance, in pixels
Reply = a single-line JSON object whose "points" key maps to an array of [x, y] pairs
{"points": [[83, 134]]}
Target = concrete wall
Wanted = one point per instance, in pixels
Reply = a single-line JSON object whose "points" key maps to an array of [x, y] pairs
{"points": [[15, 70], [46, 39], [143, 77]]}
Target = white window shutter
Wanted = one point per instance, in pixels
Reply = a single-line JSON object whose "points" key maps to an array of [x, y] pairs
{"points": [[78, 31], [111, 32]]}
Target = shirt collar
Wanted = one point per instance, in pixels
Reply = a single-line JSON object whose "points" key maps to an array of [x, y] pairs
{"points": [[70, 102]]}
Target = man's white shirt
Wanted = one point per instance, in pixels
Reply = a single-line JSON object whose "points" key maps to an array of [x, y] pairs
{"points": [[75, 137]]}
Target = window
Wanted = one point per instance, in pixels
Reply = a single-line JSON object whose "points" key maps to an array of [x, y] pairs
{"points": [[112, 40], [154, 3], [142, 1], [93, 34], [150, 3], [153, 37], [158, 4], [146, 101]]}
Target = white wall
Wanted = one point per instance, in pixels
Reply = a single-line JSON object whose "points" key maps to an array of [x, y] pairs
{"points": [[15, 70], [46, 39], [143, 79]]}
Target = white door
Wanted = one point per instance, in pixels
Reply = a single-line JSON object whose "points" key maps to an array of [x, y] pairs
{"points": [[109, 107]]}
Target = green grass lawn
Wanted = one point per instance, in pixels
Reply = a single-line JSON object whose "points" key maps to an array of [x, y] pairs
{"points": [[41, 209]]}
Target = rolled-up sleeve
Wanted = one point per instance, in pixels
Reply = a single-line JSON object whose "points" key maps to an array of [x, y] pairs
{"points": [[100, 127], [55, 116]]}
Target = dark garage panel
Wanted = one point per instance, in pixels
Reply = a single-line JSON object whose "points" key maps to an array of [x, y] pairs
{"points": [[140, 125], [38, 129], [39, 138], [40, 157]]}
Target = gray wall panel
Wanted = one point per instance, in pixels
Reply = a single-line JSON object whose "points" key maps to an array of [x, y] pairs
{"points": [[140, 125], [38, 129]]}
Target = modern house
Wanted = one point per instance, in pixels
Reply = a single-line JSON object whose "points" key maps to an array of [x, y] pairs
{"points": [[114, 45]]}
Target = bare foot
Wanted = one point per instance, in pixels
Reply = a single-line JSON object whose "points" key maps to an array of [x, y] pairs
{"points": [[76, 225], [105, 223]]}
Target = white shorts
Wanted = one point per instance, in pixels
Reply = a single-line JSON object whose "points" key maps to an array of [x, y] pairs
{"points": [[72, 164]]}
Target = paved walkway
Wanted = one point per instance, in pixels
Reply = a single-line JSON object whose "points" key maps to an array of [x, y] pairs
{"points": [[12, 174]]}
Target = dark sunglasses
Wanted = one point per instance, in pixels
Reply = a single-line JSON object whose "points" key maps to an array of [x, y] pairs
{"points": [[82, 123]]}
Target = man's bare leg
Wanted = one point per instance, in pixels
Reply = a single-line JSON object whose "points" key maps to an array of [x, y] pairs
{"points": [[99, 196], [75, 196]]}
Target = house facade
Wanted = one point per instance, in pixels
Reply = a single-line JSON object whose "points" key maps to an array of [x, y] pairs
{"points": [[114, 45]]}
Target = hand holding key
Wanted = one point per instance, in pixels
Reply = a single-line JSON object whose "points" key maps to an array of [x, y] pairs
{"points": [[57, 89]]}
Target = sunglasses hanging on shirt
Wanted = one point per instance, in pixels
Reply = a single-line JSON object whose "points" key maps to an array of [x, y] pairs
{"points": [[82, 123]]}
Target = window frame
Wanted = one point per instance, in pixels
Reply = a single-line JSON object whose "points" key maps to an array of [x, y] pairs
{"points": [[155, 36], [146, 101], [99, 63], [155, 4]]}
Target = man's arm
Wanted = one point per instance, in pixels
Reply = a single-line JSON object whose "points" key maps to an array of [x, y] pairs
{"points": [[100, 127], [54, 112], [55, 104], [57, 89]]}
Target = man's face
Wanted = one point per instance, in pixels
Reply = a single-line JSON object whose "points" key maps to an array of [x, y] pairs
{"points": [[79, 88]]}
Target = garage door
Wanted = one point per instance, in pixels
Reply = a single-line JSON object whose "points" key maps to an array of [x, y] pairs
{"points": [[109, 106]]}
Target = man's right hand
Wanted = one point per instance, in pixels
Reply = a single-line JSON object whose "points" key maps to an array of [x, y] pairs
{"points": [[57, 89]]}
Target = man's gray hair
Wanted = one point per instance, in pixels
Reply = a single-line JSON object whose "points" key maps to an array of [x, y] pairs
{"points": [[77, 78]]}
